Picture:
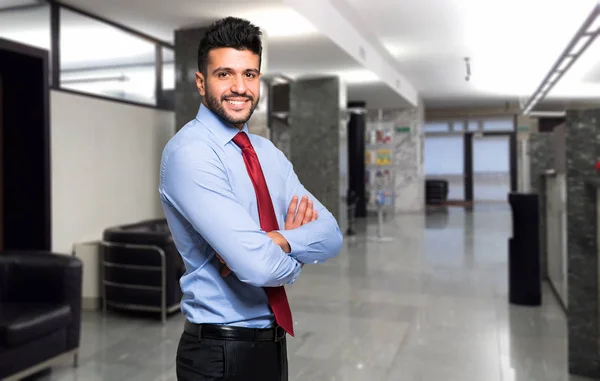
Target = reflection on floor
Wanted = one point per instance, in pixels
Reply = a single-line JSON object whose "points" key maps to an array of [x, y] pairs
{"points": [[431, 305]]}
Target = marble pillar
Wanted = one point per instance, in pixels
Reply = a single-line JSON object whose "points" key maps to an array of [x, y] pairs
{"points": [[582, 151], [541, 160], [280, 136], [318, 135], [187, 98], [408, 160]]}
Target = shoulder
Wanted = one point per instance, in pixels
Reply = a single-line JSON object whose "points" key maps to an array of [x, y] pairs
{"points": [[192, 144]]}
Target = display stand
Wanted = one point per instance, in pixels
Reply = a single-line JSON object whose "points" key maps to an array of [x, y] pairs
{"points": [[379, 158], [379, 237]]}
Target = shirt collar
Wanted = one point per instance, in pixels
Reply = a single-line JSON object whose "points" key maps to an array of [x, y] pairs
{"points": [[223, 131]]}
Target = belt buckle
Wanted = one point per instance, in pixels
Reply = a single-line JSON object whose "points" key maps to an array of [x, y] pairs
{"points": [[279, 333]]}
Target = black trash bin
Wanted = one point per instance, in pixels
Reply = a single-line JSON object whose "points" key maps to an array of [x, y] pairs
{"points": [[524, 273]]}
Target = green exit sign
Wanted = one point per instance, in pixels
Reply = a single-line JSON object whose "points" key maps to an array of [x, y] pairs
{"points": [[402, 130]]}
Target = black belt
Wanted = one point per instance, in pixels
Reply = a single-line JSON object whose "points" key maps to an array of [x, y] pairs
{"points": [[219, 332]]}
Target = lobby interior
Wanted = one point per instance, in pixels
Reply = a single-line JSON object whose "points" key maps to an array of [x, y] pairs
{"points": [[455, 141]]}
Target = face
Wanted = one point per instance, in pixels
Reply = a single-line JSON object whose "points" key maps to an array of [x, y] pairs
{"points": [[231, 87]]}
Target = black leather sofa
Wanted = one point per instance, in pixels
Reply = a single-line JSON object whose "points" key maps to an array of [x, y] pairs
{"points": [[40, 311], [141, 268]]}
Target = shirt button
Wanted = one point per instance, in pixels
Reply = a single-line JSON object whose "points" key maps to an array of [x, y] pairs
{"points": [[315, 262]]}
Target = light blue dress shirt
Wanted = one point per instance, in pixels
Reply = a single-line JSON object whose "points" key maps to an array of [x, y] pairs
{"points": [[210, 206]]}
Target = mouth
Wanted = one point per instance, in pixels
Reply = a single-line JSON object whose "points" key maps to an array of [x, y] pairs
{"points": [[237, 104]]}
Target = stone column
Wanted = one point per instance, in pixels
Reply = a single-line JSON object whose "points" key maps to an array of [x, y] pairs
{"points": [[583, 148], [187, 98], [541, 160], [318, 136]]}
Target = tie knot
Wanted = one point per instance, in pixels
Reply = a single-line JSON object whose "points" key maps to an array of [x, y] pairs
{"points": [[242, 140]]}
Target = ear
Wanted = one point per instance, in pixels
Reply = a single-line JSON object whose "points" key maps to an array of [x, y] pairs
{"points": [[200, 83]]}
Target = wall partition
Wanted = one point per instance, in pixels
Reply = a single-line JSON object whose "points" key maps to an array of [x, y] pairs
{"points": [[93, 56]]}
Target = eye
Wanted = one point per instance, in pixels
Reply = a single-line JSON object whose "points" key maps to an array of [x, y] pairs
{"points": [[250, 75], [223, 75]]}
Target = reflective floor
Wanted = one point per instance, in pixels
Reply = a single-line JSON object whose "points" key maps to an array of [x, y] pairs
{"points": [[430, 305]]}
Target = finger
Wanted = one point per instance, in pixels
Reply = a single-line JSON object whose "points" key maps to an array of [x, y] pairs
{"points": [[301, 212], [309, 213], [220, 259], [225, 271], [315, 215], [291, 212]]}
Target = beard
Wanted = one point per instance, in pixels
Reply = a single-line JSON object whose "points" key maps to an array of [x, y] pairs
{"points": [[215, 104]]}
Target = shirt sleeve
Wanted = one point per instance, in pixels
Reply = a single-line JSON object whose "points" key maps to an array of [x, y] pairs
{"points": [[317, 241], [196, 184]]}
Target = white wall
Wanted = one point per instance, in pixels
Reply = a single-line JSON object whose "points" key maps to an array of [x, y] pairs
{"points": [[105, 165]]}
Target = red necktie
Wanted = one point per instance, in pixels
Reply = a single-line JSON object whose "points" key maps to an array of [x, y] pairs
{"points": [[268, 223]]}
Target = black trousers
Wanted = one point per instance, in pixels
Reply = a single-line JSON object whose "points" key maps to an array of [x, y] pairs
{"points": [[230, 360]]}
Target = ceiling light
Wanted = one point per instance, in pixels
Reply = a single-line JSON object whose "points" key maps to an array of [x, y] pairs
{"points": [[357, 76], [553, 77], [579, 45], [580, 42], [595, 27], [281, 22], [565, 63]]}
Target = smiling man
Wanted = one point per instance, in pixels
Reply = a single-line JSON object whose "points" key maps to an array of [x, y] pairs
{"points": [[241, 220]]}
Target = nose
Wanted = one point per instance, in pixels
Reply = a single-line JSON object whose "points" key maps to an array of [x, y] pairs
{"points": [[239, 85]]}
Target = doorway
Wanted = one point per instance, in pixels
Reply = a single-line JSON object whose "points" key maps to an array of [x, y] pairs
{"points": [[490, 159], [25, 212]]}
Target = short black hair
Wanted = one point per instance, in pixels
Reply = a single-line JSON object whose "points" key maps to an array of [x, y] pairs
{"points": [[230, 32]]}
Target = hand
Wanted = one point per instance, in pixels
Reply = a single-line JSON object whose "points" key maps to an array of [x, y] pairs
{"points": [[305, 213], [224, 270]]}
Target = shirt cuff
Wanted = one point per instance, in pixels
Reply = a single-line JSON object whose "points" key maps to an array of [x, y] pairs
{"points": [[297, 238]]}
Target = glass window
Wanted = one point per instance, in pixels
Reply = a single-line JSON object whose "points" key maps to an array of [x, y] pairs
{"points": [[99, 59], [458, 125], [504, 124], [436, 127], [444, 155], [168, 78], [29, 26], [168, 69], [473, 125]]}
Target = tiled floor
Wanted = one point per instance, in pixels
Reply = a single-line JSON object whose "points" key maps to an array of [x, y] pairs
{"points": [[431, 305]]}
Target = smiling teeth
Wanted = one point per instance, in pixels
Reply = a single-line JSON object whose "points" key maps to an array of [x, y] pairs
{"points": [[236, 102]]}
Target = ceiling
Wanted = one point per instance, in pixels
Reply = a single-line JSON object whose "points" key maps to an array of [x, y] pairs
{"points": [[511, 43]]}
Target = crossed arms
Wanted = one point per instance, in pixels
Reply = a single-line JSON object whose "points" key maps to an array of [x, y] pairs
{"points": [[196, 184]]}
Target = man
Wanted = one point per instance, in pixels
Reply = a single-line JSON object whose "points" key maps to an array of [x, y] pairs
{"points": [[243, 223]]}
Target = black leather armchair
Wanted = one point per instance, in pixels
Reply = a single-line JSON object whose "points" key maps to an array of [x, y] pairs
{"points": [[40, 311], [141, 268]]}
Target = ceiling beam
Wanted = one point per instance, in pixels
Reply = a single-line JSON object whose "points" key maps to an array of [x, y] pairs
{"points": [[328, 20]]}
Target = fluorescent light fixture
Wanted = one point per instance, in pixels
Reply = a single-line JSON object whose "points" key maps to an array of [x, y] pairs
{"points": [[565, 62], [595, 27], [281, 22], [549, 114], [553, 77], [356, 76], [580, 44], [395, 49]]}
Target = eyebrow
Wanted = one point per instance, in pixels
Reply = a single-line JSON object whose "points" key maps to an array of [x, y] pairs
{"points": [[230, 69]]}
